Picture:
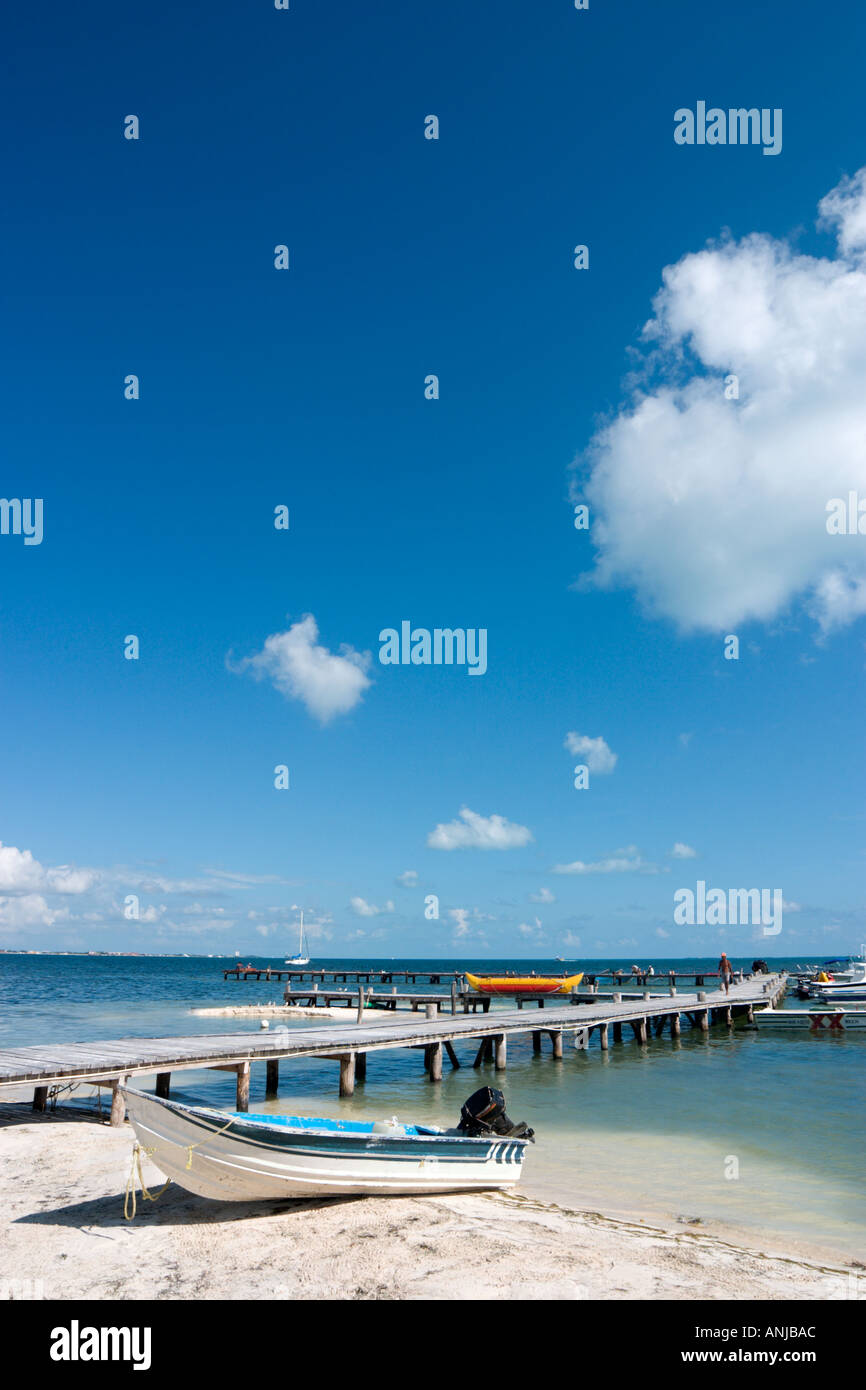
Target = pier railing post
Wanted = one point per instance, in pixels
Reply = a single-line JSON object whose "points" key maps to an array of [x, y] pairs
{"points": [[501, 1052], [360, 1003], [272, 1076]]}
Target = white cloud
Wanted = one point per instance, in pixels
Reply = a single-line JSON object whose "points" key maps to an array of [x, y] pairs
{"points": [[594, 752], [29, 910], [21, 873], [409, 878], [472, 831], [530, 928], [326, 683], [622, 861], [681, 851], [685, 739], [460, 917], [660, 931], [464, 917], [543, 895], [714, 510], [365, 909]]}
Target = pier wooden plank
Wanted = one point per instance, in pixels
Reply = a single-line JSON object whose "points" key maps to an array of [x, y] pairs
{"points": [[62, 1063]]}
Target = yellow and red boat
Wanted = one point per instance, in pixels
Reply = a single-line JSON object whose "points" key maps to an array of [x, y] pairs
{"points": [[524, 984]]}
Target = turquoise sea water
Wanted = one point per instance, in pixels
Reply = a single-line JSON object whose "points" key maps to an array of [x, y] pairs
{"points": [[657, 1130]]}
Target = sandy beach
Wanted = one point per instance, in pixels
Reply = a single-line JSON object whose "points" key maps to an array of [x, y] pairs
{"points": [[62, 1183]]}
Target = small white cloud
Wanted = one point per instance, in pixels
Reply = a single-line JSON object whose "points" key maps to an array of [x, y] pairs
{"points": [[530, 928], [473, 831], [543, 895], [409, 878], [460, 917], [660, 931], [622, 861], [594, 752], [365, 909], [326, 683], [681, 851], [685, 739]]}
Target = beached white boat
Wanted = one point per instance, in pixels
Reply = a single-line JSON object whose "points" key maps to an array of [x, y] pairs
{"points": [[240, 1158], [828, 1020]]}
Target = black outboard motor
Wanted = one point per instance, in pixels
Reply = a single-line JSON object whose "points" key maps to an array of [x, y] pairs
{"points": [[484, 1113]]}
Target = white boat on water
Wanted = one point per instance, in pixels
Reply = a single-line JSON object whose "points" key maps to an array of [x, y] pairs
{"points": [[837, 974], [828, 1020], [302, 958], [236, 1157], [852, 992]]}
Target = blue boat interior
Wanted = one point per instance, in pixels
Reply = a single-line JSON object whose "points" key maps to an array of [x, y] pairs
{"points": [[336, 1126]]}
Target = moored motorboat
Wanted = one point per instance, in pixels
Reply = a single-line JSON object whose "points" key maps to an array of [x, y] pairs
{"points": [[852, 992], [239, 1157], [524, 984], [829, 1020]]}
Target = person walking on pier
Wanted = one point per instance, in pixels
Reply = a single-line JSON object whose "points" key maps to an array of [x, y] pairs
{"points": [[726, 972]]}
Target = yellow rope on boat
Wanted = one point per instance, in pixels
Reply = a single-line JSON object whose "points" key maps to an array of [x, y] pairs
{"points": [[189, 1147], [130, 1206], [130, 1200]]}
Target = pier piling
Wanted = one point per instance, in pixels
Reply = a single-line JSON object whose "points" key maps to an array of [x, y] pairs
{"points": [[118, 1105], [243, 1088], [347, 1074]]}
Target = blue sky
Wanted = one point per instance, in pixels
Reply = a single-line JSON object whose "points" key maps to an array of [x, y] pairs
{"points": [[305, 388]]}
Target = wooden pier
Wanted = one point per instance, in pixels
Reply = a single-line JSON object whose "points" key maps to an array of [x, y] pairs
{"points": [[315, 997], [111, 1064], [443, 977]]}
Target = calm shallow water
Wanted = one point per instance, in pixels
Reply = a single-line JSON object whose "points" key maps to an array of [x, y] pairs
{"points": [[650, 1130]]}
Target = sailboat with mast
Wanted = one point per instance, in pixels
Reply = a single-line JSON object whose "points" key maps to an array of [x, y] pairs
{"points": [[303, 957]]}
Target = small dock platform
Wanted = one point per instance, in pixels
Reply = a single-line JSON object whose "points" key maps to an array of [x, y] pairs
{"points": [[113, 1063]]}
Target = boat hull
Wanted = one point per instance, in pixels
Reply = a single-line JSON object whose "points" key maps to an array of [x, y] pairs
{"points": [[233, 1158], [523, 984], [827, 1020]]}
